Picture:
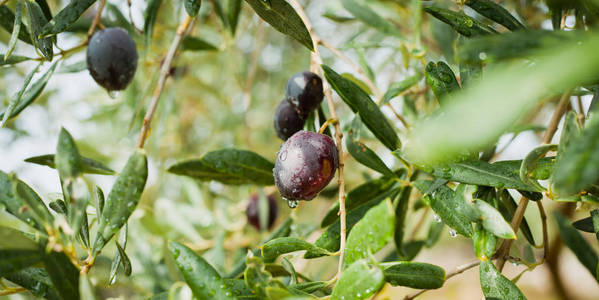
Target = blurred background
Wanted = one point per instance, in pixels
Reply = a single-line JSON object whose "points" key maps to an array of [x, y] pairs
{"points": [[225, 96]]}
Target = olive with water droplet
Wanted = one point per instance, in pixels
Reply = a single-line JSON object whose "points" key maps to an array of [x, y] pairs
{"points": [[310, 163], [112, 58]]}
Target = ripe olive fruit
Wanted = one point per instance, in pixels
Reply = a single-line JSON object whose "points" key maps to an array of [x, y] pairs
{"points": [[304, 91], [253, 211], [305, 165], [112, 58], [287, 120]]}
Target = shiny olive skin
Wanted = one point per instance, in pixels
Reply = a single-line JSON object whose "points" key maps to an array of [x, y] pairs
{"points": [[304, 91], [112, 58], [287, 121], [252, 211], [305, 165]]}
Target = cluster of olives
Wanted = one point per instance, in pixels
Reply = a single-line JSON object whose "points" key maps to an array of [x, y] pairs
{"points": [[112, 58], [303, 94], [307, 160]]}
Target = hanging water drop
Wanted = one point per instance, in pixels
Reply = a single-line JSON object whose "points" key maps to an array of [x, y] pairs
{"points": [[292, 203], [113, 94], [452, 233], [437, 218]]}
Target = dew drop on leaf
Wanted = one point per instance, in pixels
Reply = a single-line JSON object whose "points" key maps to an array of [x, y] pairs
{"points": [[452, 233]]}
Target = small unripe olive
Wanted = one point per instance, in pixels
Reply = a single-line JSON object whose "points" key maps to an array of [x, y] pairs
{"points": [[305, 165], [112, 58], [304, 91], [287, 121], [253, 211]]}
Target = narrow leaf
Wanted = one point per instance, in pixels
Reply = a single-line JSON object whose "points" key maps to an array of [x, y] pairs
{"points": [[399, 87], [66, 17], [360, 103], [229, 166], [32, 93], [414, 274], [366, 156], [274, 248], [460, 22], [478, 172], [576, 242], [370, 234], [530, 162], [495, 285], [15, 100], [122, 199], [496, 13], [15, 30], [202, 278], [36, 280], [358, 281], [38, 21], [453, 210], [88, 165]]}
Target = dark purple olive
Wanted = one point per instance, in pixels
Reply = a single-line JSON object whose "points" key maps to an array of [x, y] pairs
{"points": [[305, 165], [287, 121], [253, 211], [112, 58], [304, 91]]}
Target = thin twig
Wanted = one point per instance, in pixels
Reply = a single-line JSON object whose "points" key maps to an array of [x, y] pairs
{"points": [[580, 110], [164, 71], [96, 20], [12, 291], [561, 108], [338, 135], [504, 250], [131, 18], [456, 271]]}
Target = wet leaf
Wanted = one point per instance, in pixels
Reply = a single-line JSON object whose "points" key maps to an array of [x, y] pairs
{"points": [[496, 13], [530, 163], [202, 278], [122, 199], [276, 247], [370, 234], [358, 281], [38, 21], [229, 166], [282, 17], [414, 274], [66, 17], [495, 285], [441, 79], [360, 103], [460, 22], [493, 221], [366, 156], [12, 260], [453, 210], [36, 280]]}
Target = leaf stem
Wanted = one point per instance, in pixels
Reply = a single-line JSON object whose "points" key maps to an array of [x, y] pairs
{"points": [[456, 271], [316, 58], [164, 72]]}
